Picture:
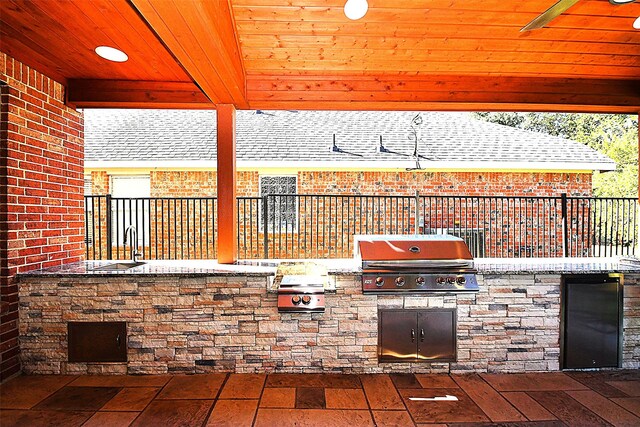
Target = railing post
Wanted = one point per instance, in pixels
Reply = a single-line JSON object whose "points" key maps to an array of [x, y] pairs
{"points": [[565, 224], [416, 225], [265, 225], [108, 229]]}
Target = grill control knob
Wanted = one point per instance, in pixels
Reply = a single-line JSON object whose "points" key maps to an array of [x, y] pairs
{"points": [[451, 279], [441, 280], [306, 299], [379, 281], [296, 299], [461, 280], [420, 281], [400, 281]]}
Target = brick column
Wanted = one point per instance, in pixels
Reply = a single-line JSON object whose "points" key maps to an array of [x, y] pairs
{"points": [[41, 188]]}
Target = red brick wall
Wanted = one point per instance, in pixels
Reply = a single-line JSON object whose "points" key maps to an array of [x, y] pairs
{"points": [[41, 219], [446, 183]]}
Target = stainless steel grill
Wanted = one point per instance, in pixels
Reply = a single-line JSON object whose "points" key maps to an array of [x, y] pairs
{"points": [[301, 287], [415, 264]]}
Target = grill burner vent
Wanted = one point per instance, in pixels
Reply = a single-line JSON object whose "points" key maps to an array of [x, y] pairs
{"points": [[415, 264]]}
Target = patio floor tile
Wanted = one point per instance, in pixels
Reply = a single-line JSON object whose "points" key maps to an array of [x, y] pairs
{"points": [[243, 386], [405, 381], [170, 413], [392, 418], [496, 407], [25, 392], [436, 381], [528, 406], [463, 410], [121, 381], [204, 386], [313, 380], [233, 413], [310, 398], [111, 419], [345, 398], [381, 393], [630, 388], [278, 398], [313, 418], [631, 404], [131, 399], [567, 409], [605, 408], [36, 418], [542, 381], [78, 398]]}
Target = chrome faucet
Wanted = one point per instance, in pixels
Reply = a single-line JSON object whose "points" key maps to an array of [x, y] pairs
{"points": [[134, 242]]}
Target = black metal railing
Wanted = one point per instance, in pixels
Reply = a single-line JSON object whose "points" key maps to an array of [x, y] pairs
{"points": [[287, 226]]}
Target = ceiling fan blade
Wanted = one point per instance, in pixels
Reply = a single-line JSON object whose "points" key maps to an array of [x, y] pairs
{"points": [[549, 15]]}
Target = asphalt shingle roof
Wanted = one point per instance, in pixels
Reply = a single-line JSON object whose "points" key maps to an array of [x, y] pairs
{"points": [[150, 135]]}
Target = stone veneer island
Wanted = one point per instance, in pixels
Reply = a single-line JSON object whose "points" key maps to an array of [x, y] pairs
{"points": [[198, 316]]}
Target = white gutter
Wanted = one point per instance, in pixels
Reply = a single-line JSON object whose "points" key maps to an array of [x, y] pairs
{"points": [[427, 166]]}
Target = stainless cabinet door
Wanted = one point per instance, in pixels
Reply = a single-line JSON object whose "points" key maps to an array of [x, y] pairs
{"points": [[437, 335], [398, 336]]}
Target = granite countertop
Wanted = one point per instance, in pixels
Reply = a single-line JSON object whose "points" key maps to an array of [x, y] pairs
{"points": [[338, 267]]}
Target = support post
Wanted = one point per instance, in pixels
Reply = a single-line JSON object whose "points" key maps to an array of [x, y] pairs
{"points": [[226, 172]]}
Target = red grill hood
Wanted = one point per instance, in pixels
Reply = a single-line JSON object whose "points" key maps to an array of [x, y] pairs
{"points": [[411, 248]]}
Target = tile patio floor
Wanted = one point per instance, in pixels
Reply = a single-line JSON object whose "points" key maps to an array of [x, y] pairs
{"points": [[549, 399]]}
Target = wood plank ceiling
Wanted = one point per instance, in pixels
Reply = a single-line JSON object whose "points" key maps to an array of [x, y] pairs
{"points": [[305, 54]]}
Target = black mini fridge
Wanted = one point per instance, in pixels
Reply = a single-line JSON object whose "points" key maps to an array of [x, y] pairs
{"points": [[591, 324]]}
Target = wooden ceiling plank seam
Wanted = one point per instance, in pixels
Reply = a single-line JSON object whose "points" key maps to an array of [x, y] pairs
{"points": [[440, 84], [156, 22], [434, 30], [431, 67], [414, 55], [514, 45], [441, 106], [451, 96], [27, 33], [584, 7], [230, 65], [427, 15]]}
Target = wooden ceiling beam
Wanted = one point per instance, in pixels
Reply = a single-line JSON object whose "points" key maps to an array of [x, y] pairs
{"points": [[201, 36], [443, 93], [136, 94]]}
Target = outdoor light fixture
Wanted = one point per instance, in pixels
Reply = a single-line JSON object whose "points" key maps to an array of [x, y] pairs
{"points": [[355, 9], [111, 54], [636, 23], [621, 1]]}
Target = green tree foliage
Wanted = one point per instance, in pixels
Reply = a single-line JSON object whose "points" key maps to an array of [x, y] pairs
{"points": [[615, 135]]}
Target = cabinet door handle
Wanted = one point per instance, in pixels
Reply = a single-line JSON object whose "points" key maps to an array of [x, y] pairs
{"points": [[422, 334], [413, 335], [118, 340]]}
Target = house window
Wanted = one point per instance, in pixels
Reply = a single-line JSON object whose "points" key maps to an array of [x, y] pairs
{"points": [[281, 208], [130, 206]]}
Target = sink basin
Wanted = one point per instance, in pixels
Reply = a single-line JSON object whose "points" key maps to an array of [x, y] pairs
{"points": [[119, 266]]}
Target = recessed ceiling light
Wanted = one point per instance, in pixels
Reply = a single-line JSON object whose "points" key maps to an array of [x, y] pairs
{"points": [[621, 1], [356, 9], [111, 54], [636, 23]]}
